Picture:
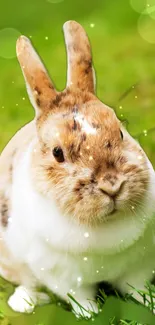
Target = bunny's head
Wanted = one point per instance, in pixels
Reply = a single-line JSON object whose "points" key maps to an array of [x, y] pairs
{"points": [[83, 157]]}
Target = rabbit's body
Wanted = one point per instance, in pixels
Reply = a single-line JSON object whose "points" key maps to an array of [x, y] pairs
{"points": [[72, 218], [49, 250]]}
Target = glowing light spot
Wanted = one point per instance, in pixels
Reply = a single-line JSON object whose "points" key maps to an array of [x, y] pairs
{"points": [[92, 25], [13, 82], [138, 5], [144, 247], [121, 115], [59, 304], [57, 134], [97, 271], [102, 267], [30, 36], [132, 207], [122, 240], [136, 97], [56, 287], [153, 271], [47, 240], [8, 38], [146, 25], [120, 107], [90, 158], [2, 106], [140, 157], [23, 98], [10, 219], [46, 38], [85, 258], [88, 147], [79, 279], [86, 234], [16, 104], [42, 269]]}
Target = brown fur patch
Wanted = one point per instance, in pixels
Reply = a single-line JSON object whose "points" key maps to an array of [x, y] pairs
{"points": [[4, 210]]}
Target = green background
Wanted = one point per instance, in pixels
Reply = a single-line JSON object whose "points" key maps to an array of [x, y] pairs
{"points": [[122, 59]]}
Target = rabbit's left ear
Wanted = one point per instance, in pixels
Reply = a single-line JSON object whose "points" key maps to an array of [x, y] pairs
{"points": [[39, 86], [80, 70]]}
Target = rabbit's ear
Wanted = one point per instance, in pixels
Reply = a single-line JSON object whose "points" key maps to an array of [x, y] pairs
{"points": [[39, 86], [80, 70]]}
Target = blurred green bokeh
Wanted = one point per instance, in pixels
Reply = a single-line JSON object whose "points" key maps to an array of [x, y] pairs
{"points": [[123, 46]]}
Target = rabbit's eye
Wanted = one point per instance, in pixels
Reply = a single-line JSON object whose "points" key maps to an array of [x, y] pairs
{"points": [[58, 154], [121, 133]]}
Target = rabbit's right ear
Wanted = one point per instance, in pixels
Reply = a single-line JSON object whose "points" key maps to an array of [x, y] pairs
{"points": [[39, 86]]}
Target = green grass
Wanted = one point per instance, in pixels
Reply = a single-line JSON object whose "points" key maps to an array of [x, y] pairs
{"points": [[121, 58]]}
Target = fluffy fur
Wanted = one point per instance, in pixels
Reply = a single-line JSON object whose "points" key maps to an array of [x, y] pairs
{"points": [[88, 218]]}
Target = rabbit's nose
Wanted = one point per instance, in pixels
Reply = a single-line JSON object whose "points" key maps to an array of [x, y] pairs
{"points": [[111, 186]]}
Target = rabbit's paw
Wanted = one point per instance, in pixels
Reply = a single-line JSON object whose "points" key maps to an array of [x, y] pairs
{"points": [[23, 300]]}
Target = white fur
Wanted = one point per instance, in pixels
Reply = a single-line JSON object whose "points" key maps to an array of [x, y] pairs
{"points": [[70, 258]]}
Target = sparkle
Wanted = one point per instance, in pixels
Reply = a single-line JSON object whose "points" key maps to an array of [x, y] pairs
{"points": [[59, 304], [42, 269], [16, 104], [120, 107], [57, 134], [136, 97], [23, 98], [87, 147], [74, 293], [86, 234], [145, 132], [92, 25], [85, 258], [2, 106], [10, 219], [13, 82], [71, 290], [132, 207], [47, 240], [133, 87], [90, 158], [46, 38], [30, 36], [102, 267], [140, 157], [122, 240], [79, 279], [97, 271], [56, 287], [121, 115], [153, 271]]}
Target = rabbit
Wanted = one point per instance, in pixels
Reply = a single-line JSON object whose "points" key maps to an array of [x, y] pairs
{"points": [[77, 192]]}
